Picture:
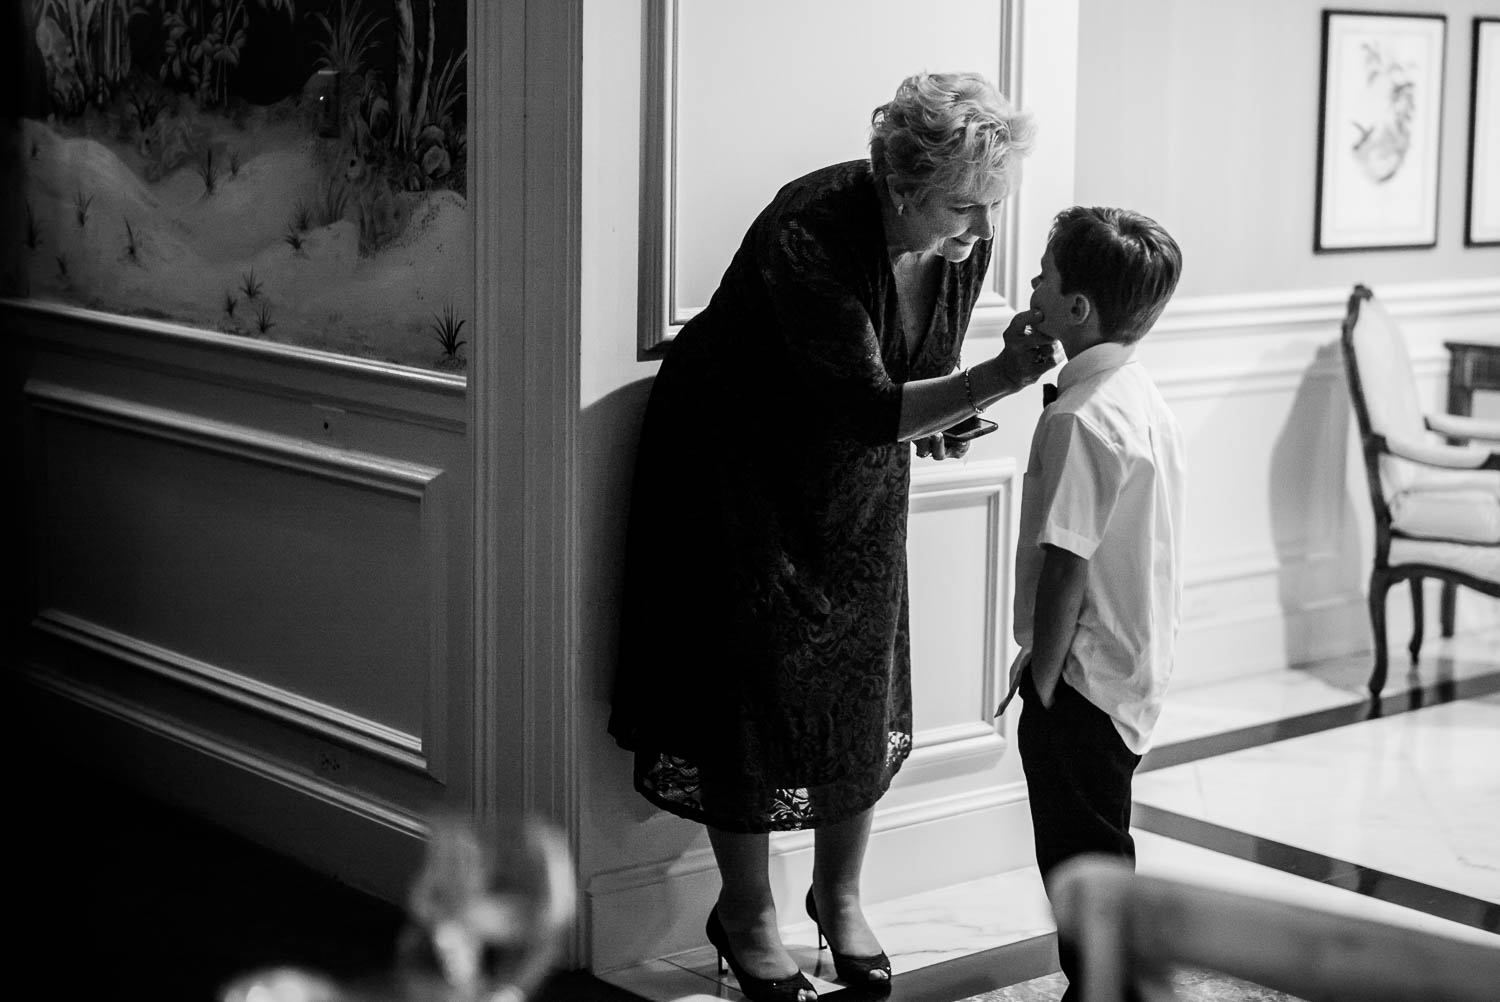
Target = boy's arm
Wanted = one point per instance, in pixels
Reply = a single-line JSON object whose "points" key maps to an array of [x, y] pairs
{"points": [[1059, 600]]}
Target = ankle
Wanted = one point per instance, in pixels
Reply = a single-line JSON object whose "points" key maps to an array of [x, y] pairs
{"points": [[746, 913]]}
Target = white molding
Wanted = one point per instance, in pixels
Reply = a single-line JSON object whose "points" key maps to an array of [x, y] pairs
{"points": [[1006, 263], [310, 786], [659, 316], [989, 484], [392, 476], [701, 860], [1318, 311], [282, 355], [1273, 311], [524, 379], [414, 482], [272, 702], [655, 324]]}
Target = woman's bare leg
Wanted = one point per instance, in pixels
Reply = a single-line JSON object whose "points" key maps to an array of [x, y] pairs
{"points": [[746, 907], [838, 859]]}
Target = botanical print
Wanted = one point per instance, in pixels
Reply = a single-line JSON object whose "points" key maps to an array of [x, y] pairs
{"points": [[1382, 113], [287, 170], [1381, 118]]}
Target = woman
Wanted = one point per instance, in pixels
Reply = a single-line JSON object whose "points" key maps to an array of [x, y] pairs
{"points": [[765, 668]]}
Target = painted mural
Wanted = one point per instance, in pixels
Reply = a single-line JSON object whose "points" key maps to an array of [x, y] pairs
{"points": [[287, 170]]}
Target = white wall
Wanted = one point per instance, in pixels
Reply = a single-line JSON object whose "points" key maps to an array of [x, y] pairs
{"points": [[1205, 116]]}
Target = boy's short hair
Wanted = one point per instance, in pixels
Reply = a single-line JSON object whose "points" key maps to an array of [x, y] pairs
{"points": [[1124, 262]]}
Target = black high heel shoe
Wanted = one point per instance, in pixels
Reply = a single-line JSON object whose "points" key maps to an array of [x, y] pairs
{"points": [[859, 970], [787, 989]]}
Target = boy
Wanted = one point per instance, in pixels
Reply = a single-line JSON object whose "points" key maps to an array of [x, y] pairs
{"points": [[1097, 560]]}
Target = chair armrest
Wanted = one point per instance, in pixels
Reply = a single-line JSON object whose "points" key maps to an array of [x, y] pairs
{"points": [[1460, 426], [1453, 457]]}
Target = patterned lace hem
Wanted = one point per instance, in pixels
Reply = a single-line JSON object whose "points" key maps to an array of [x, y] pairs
{"points": [[673, 783]]}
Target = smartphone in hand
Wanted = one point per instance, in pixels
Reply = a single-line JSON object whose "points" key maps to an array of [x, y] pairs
{"points": [[969, 429]]}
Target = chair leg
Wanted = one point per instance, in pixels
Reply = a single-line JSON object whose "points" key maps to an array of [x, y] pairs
{"points": [[1418, 620], [1450, 603], [1380, 583]]}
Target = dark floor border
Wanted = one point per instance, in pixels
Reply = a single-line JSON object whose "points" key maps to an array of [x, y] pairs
{"points": [[1416, 698], [990, 970], [1436, 901]]}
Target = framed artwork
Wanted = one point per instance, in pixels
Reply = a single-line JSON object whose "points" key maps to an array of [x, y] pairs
{"points": [[283, 171], [1482, 206], [1379, 125]]}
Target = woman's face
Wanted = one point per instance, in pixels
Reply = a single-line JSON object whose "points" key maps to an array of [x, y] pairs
{"points": [[949, 224]]}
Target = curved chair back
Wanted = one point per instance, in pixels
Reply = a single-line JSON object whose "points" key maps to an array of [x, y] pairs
{"points": [[1373, 349]]}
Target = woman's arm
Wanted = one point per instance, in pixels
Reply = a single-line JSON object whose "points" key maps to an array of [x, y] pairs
{"points": [[930, 405]]}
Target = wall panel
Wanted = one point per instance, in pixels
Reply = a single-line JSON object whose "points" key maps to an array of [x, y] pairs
{"points": [[136, 502], [243, 561], [740, 99]]}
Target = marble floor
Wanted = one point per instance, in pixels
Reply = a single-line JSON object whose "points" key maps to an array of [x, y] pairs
{"points": [[1291, 783]]}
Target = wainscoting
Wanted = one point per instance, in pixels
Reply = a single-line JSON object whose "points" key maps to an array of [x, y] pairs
{"points": [[248, 579]]}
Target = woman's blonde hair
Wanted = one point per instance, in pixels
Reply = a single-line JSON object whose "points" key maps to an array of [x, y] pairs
{"points": [[949, 132]]}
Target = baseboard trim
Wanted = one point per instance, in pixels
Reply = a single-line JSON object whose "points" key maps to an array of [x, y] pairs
{"points": [[644, 912], [372, 846]]}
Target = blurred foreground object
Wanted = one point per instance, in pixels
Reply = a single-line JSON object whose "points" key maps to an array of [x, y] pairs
{"points": [[1131, 931], [488, 915]]}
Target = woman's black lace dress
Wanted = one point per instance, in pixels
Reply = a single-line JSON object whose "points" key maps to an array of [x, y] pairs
{"points": [[765, 669]]}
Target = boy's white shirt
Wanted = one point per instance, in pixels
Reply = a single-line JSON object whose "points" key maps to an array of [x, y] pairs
{"points": [[1119, 506]]}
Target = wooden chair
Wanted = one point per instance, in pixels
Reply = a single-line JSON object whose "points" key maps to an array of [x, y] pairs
{"points": [[1131, 931], [1436, 503]]}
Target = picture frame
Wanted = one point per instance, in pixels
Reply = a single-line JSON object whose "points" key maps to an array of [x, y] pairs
{"points": [[1482, 202], [1379, 130]]}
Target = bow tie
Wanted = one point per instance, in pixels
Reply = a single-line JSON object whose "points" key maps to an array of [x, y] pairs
{"points": [[1049, 393]]}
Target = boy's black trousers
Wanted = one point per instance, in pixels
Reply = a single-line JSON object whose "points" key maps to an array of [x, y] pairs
{"points": [[1078, 776]]}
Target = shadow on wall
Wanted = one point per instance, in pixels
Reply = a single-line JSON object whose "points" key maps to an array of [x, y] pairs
{"points": [[1314, 526], [609, 434]]}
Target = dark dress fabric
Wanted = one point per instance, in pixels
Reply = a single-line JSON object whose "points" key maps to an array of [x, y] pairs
{"points": [[765, 674]]}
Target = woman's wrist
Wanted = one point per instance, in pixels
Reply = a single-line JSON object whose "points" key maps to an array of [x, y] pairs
{"points": [[989, 381]]}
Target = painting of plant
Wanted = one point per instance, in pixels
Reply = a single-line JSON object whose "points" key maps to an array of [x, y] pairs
{"points": [[307, 155]]}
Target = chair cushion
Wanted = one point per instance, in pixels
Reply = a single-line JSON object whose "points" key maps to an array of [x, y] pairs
{"points": [[1459, 516], [1427, 478], [1482, 562]]}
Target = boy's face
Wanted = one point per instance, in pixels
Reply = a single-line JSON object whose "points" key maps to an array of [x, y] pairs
{"points": [[1067, 318], [1047, 298]]}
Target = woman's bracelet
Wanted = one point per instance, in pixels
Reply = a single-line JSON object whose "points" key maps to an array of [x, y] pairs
{"points": [[969, 392]]}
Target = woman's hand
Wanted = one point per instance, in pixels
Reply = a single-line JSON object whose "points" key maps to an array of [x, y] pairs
{"points": [[940, 447], [1028, 353]]}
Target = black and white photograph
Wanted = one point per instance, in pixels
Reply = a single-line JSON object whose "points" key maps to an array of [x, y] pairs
{"points": [[776, 501]]}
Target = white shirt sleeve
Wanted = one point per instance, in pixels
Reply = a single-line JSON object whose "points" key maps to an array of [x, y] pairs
{"points": [[1080, 485]]}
